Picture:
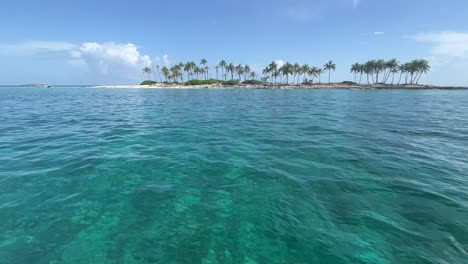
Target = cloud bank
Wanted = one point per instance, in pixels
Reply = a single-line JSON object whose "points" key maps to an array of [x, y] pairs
{"points": [[111, 57], [103, 61], [454, 44], [448, 55]]}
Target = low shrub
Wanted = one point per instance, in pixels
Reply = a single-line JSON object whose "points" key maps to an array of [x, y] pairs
{"points": [[148, 82], [348, 83], [253, 82], [231, 82], [203, 82]]}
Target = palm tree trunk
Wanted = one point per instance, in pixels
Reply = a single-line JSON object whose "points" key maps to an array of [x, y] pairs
{"points": [[420, 75], [154, 73], [329, 76]]}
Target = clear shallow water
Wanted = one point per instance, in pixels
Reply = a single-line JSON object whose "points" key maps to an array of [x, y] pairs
{"points": [[233, 176]]}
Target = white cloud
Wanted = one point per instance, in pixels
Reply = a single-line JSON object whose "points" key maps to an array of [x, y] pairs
{"points": [[356, 3], [452, 44], [280, 63], [113, 58], [448, 56], [377, 33], [165, 61]]}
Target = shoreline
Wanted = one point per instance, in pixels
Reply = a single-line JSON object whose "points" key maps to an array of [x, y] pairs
{"points": [[338, 86]]}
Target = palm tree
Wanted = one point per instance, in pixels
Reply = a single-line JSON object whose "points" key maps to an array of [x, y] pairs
{"points": [[276, 74], [176, 73], [362, 70], [273, 67], [355, 68], [231, 68], [203, 62], [165, 71], [319, 74], [147, 70], [253, 75], [369, 69], [390, 67], [314, 72], [329, 66], [423, 67], [240, 71], [246, 71], [401, 69], [379, 67], [188, 69], [222, 64], [217, 70], [305, 71], [296, 71], [198, 71], [180, 66], [287, 70], [267, 72]]}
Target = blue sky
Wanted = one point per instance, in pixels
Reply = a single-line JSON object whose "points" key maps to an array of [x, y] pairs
{"points": [[108, 42]]}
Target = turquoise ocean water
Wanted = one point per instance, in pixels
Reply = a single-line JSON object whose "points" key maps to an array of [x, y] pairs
{"points": [[233, 176]]}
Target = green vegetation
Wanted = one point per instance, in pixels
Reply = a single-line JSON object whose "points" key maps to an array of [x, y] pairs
{"points": [[148, 82], [348, 83], [231, 82], [374, 69], [204, 82], [277, 72], [330, 66], [147, 70], [253, 82]]}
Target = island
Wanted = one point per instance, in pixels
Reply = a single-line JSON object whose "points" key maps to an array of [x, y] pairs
{"points": [[373, 74]]}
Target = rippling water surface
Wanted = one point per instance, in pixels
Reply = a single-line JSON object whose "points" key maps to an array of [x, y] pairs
{"points": [[233, 176]]}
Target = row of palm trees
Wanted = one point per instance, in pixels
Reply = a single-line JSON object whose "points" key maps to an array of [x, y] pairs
{"points": [[202, 71], [380, 71], [376, 71], [298, 73], [272, 72]]}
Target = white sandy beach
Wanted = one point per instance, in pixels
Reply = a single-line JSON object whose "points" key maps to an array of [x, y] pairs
{"points": [[160, 86], [282, 86]]}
